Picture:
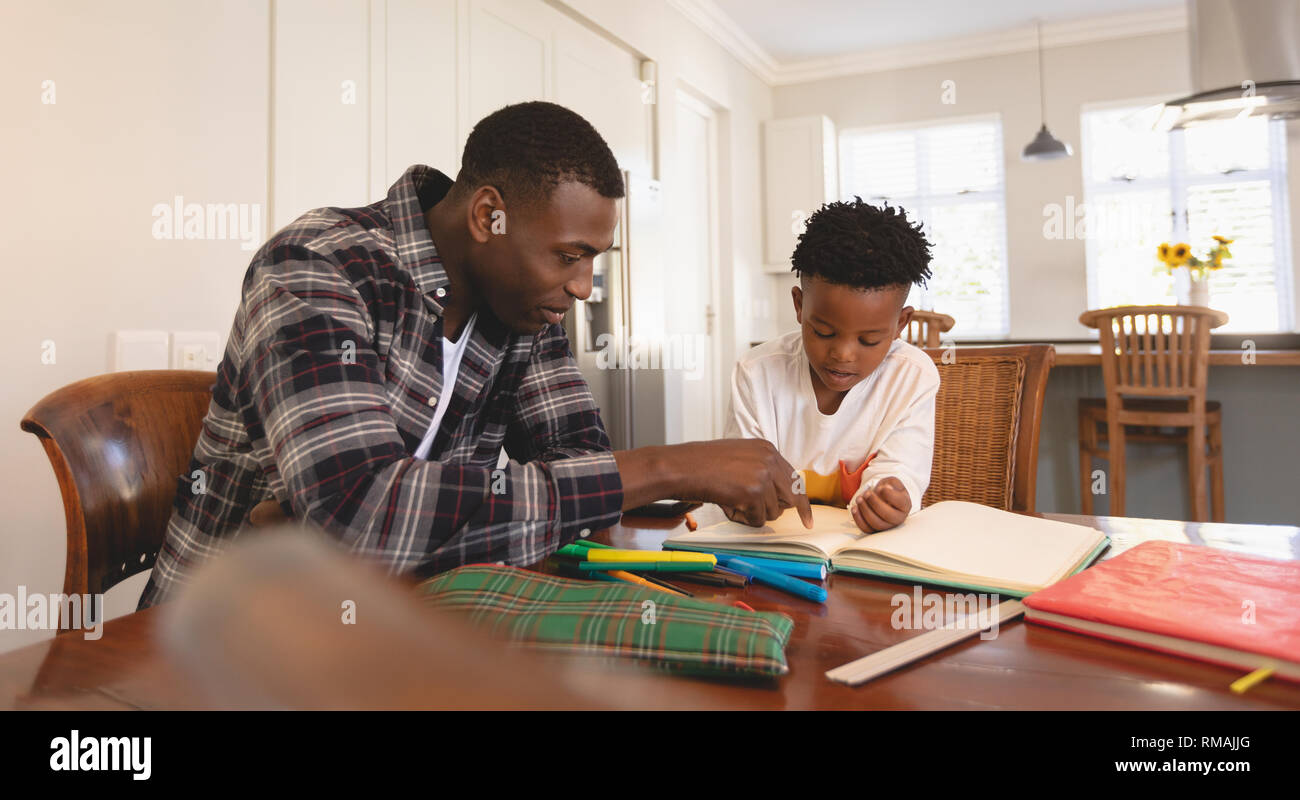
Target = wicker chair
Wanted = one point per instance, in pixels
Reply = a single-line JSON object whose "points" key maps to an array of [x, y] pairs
{"points": [[925, 328], [986, 423]]}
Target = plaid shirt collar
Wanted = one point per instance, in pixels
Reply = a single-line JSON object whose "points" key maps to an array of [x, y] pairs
{"points": [[418, 188]]}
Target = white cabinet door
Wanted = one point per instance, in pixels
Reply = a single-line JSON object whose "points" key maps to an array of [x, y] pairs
{"points": [[799, 169], [508, 57], [602, 82], [691, 269], [322, 111]]}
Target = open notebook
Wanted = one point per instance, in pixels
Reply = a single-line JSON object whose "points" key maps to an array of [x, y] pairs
{"points": [[952, 543]]}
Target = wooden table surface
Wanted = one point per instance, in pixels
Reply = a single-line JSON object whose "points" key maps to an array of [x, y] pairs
{"points": [[1024, 667], [1089, 355]]}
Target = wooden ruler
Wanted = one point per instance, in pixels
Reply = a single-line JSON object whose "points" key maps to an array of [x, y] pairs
{"points": [[918, 647]]}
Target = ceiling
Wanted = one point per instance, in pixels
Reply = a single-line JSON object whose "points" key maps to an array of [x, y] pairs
{"points": [[791, 32]]}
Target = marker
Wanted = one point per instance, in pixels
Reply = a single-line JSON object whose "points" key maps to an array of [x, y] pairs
{"points": [[639, 581], [664, 584], [729, 571], [1243, 685], [646, 566], [778, 581], [642, 556], [585, 543], [798, 569]]}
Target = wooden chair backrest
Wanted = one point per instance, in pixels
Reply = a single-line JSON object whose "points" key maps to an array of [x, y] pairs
{"points": [[120, 445], [1154, 351], [926, 327], [987, 417]]}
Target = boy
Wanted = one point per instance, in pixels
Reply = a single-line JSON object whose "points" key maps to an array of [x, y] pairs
{"points": [[843, 398]]}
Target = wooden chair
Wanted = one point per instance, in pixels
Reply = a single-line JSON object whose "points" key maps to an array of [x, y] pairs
{"points": [[925, 328], [1155, 363], [986, 422], [120, 444]]}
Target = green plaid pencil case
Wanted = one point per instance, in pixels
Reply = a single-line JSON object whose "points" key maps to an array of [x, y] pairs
{"points": [[608, 619]]}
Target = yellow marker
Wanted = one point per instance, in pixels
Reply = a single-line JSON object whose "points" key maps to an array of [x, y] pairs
{"points": [[1245, 684], [639, 581], [642, 556]]}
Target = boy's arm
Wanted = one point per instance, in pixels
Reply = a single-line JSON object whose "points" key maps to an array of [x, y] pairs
{"points": [[907, 450], [743, 421]]}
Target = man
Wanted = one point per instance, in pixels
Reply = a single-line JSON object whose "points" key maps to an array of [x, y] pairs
{"points": [[382, 357]]}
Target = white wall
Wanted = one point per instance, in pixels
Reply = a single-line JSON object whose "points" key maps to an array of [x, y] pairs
{"points": [[152, 100], [242, 102], [1048, 285]]}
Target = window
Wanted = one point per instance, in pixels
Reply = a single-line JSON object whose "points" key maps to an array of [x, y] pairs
{"points": [[1144, 187], [948, 176]]}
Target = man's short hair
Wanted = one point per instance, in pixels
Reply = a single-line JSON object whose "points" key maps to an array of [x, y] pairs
{"points": [[864, 246], [528, 149]]}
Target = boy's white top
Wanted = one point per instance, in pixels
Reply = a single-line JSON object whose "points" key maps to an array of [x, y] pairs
{"points": [[889, 413]]}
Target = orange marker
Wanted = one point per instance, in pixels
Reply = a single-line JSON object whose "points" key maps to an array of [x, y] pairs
{"points": [[691, 524], [639, 581]]}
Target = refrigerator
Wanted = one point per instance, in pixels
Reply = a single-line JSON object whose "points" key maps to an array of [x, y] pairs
{"points": [[626, 303]]}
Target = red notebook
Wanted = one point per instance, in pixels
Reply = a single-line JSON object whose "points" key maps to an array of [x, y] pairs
{"points": [[1201, 602]]}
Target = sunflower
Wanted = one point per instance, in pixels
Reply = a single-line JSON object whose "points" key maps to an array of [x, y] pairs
{"points": [[1222, 240], [1179, 254], [1162, 252]]}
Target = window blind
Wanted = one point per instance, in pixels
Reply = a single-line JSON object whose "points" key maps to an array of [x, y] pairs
{"points": [[1186, 186], [950, 178]]}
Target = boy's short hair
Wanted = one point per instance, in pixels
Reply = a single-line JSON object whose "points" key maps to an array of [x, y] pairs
{"points": [[864, 246], [528, 149]]}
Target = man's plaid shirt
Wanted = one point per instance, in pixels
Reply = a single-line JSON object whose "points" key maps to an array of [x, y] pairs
{"points": [[329, 382]]}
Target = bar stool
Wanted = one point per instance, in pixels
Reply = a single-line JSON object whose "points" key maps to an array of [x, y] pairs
{"points": [[1155, 363], [925, 327]]}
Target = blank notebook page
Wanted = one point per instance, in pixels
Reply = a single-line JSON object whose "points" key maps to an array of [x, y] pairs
{"points": [[976, 540], [832, 529]]}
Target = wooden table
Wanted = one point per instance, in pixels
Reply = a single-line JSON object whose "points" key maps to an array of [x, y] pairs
{"points": [[1089, 355], [1024, 667]]}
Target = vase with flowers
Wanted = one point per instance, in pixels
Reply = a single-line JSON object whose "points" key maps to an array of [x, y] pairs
{"points": [[1180, 256]]}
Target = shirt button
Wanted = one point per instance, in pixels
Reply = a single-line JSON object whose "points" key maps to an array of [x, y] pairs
{"points": [[441, 292], [433, 401]]}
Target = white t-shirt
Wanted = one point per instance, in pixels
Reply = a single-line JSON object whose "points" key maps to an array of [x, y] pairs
{"points": [[451, 356], [889, 413]]}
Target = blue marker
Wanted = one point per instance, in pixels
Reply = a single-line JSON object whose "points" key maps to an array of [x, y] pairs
{"points": [[777, 580], [798, 569], [720, 568]]}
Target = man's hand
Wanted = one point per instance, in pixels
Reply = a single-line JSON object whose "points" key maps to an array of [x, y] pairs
{"points": [[882, 507], [266, 514], [747, 476]]}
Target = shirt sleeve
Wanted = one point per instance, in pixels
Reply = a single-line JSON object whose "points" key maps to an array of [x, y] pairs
{"points": [[907, 450], [556, 426], [743, 421], [318, 386]]}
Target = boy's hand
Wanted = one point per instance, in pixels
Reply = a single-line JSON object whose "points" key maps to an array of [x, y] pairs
{"points": [[882, 507]]}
